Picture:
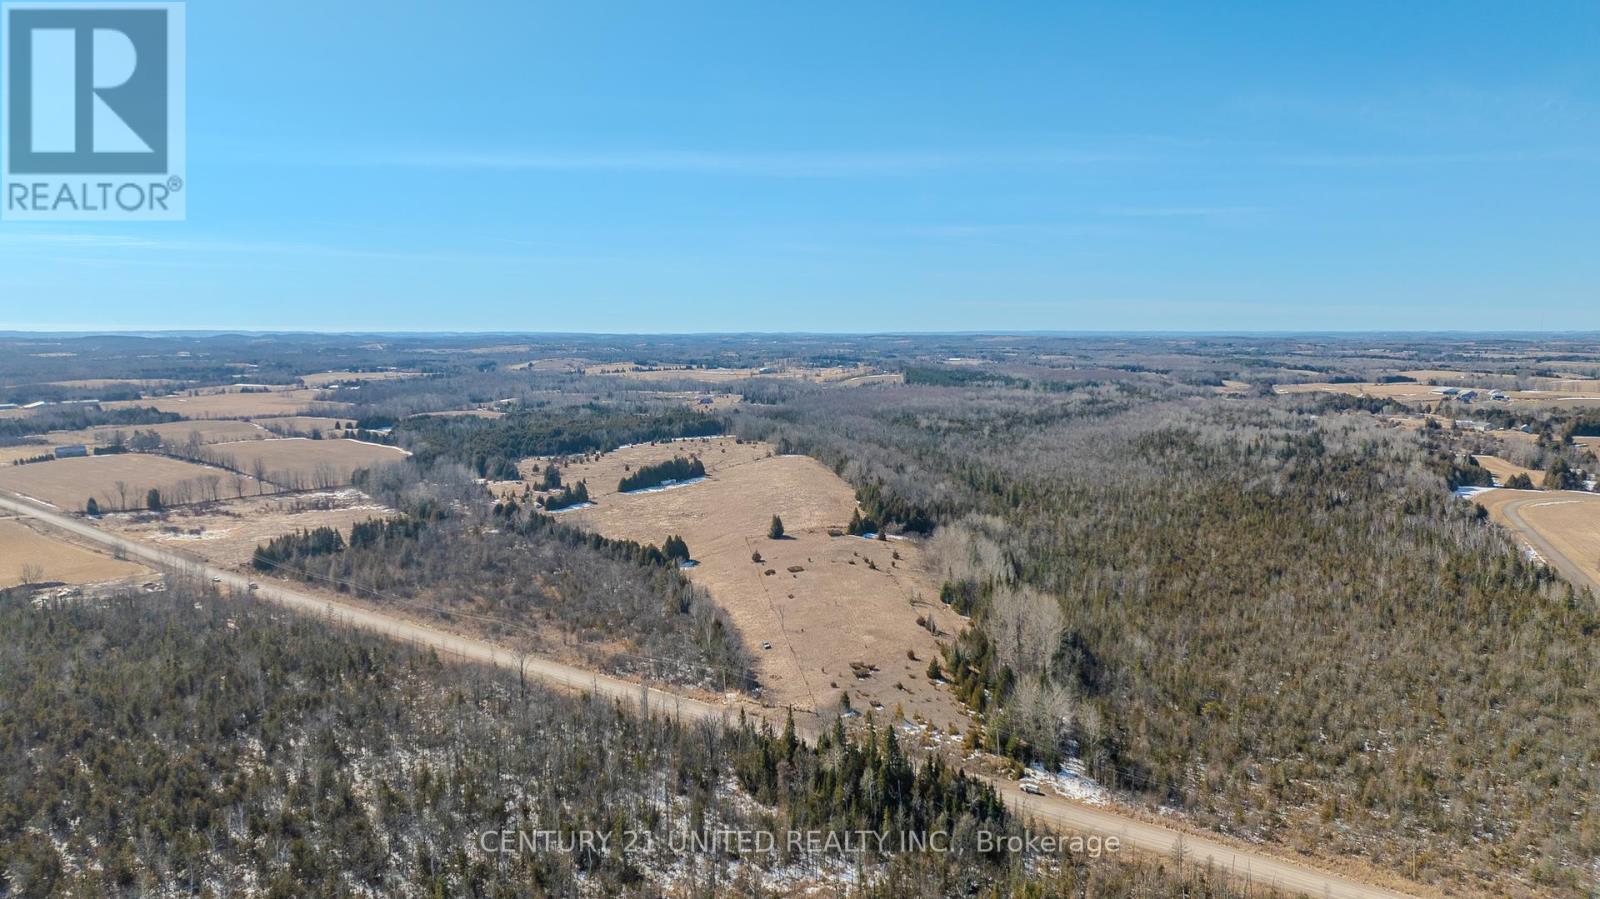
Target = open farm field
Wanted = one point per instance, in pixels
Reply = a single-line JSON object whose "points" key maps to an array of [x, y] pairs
{"points": [[10, 454], [820, 614], [1556, 385], [1403, 392], [837, 374], [298, 463], [299, 425], [122, 482], [462, 413], [228, 533], [330, 378], [1425, 394], [102, 383], [209, 431], [1569, 521], [569, 365], [236, 405], [1504, 471], [27, 556]]}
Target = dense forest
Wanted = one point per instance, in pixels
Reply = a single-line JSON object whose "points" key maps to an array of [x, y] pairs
{"points": [[196, 745], [1271, 615], [16, 431], [530, 581], [493, 446]]}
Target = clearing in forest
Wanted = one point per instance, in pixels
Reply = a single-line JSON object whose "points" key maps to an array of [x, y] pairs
{"points": [[299, 463], [236, 405], [209, 431], [228, 533], [838, 613], [302, 425], [330, 378], [1504, 471]]}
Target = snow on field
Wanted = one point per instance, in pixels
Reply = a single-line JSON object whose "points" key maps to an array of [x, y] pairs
{"points": [[1470, 492], [673, 440]]}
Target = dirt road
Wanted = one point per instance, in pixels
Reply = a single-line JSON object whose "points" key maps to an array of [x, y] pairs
{"points": [[1258, 867]]}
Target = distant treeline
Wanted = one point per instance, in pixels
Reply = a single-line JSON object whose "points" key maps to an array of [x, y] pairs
{"points": [[675, 469], [493, 446], [950, 376], [76, 418]]}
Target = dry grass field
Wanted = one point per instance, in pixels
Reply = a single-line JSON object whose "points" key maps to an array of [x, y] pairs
{"points": [[329, 378], [837, 374], [9, 454], [564, 364], [299, 425], [228, 533], [1423, 394], [461, 413], [210, 431], [298, 463], [1404, 393], [101, 383], [68, 484], [1568, 520], [29, 556], [1504, 471], [1420, 421], [236, 405], [1560, 386], [823, 604]]}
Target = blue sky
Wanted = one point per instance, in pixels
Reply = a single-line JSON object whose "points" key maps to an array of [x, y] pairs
{"points": [[685, 166]]}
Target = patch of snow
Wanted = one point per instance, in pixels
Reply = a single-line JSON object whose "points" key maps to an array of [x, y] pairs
{"points": [[41, 502], [1470, 492], [569, 508], [1071, 782], [663, 486], [370, 443]]}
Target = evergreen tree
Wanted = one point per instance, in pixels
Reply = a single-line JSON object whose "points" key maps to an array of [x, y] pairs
{"points": [[775, 531], [676, 549]]}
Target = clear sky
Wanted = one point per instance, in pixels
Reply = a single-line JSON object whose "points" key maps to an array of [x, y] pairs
{"points": [[684, 166]]}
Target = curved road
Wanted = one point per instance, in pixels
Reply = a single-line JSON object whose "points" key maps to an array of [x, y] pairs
{"points": [[1512, 509], [1254, 865]]}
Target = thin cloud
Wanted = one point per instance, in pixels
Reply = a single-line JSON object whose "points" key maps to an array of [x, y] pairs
{"points": [[111, 243], [785, 164], [1374, 160], [1193, 212]]}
